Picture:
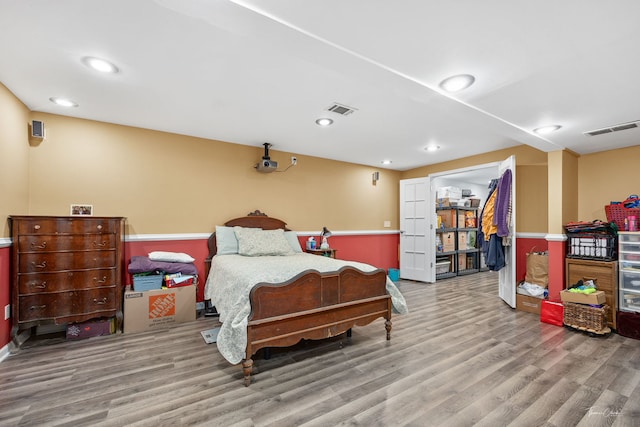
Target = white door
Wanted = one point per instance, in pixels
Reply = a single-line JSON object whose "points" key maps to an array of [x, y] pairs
{"points": [[507, 274], [416, 246]]}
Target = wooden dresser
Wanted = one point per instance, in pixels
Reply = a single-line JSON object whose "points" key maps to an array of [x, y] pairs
{"points": [[65, 269], [606, 275]]}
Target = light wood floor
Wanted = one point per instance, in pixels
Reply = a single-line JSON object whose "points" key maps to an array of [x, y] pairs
{"points": [[461, 357]]}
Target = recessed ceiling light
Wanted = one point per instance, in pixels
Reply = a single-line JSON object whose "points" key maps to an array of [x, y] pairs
{"points": [[545, 130], [324, 122], [432, 147], [386, 162], [457, 83], [99, 65], [63, 102]]}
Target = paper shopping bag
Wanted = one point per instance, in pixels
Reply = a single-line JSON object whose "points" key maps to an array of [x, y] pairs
{"points": [[537, 269]]}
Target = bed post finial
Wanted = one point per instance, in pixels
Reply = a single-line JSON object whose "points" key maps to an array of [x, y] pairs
{"points": [[256, 213]]}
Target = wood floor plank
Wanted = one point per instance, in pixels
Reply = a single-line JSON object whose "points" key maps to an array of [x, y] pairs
{"points": [[461, 357]]}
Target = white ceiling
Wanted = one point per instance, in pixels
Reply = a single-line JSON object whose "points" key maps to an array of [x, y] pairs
{"points": [[254, 71]]}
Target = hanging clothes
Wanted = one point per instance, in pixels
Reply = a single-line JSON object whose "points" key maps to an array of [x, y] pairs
{"points": [[482, 237], [502, 217], [495, 222]]}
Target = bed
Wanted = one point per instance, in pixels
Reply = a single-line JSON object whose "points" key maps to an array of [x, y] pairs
{"points": [[267, 298]]}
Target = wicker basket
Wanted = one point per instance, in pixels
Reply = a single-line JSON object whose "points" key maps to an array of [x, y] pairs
{"points": [[585, 317], [617, 213]]}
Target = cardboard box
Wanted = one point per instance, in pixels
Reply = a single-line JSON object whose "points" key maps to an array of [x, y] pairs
{"points": [[462, 262], [448, 218], [448, 241], [157, 309], [595, 298], [528, 303], [442, 202], [90, 328], [463, 241]]}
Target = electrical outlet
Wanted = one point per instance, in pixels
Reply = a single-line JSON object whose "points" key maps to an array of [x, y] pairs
{"points": [[387, 224], [294, 160], [7, 311]]}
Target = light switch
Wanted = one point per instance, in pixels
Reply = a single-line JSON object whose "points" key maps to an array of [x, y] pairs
{"points": [[387, 224]]}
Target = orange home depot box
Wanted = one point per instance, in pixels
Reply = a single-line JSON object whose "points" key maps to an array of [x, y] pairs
{"points": [[159, 308]]}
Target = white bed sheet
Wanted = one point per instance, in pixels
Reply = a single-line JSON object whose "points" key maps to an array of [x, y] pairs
{"points": [[232, 276]]}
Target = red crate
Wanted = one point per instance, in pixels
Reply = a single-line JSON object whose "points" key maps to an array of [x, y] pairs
{"points": [[617, 214]]}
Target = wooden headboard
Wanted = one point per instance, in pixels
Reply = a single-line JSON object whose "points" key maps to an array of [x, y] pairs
{"points": [[255, 219]]}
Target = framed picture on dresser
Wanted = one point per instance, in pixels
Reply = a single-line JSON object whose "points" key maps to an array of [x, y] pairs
{"points": [[81, 210]]}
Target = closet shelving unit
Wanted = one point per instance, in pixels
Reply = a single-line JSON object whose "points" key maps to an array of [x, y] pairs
{"points": [[458, 233]]}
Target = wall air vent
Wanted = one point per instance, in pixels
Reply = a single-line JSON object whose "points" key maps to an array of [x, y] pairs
{"points": [[615, 128], [343, 110]]}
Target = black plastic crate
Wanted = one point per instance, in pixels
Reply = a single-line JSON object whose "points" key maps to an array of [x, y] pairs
{"points": [[595, 246]]}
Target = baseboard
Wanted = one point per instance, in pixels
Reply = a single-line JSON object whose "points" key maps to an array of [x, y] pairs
{"points": [[11, 347], [4, 352]]}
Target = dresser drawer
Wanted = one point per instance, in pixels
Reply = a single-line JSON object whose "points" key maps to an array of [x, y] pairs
{"points": [[64, 304], [48, 262], [38, 283], [52, 243], [66, 225]]}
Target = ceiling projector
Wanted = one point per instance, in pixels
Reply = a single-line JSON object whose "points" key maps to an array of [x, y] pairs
{"points": [[266, 165]]}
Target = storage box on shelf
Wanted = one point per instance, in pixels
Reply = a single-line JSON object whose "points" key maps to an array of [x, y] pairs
{"points": [[629, 285]]}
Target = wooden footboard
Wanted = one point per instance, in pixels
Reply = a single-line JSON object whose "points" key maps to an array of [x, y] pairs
{"points": [[314, 305]]}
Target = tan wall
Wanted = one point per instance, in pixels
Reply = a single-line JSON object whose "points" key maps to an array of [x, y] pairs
{"points": [[531, 198], [569, 187], [167, 183], [531, 182], [14, 157], [607, 176]]}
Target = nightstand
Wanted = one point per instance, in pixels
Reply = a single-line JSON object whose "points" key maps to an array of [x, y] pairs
{"points": [[331, 253]]}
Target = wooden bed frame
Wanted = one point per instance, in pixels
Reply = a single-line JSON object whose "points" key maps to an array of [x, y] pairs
{"points": [[311, 305]]}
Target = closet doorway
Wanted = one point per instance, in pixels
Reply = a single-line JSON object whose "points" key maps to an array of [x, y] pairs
{"points": [[412, 224]]}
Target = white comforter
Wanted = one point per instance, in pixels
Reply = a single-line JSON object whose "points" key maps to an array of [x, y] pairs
{"points": [[232, 277]]}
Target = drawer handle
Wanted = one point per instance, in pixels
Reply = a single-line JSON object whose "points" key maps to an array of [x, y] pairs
{"points": [[99, 227], [43, 245], [36, 227], [100, 302], [99, 245], [42, 285], [103, 280], [40, 266], [37, 307]]}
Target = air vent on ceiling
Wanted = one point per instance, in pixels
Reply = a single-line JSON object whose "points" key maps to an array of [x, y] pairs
{"points": [[340, 109], [615, 128]]}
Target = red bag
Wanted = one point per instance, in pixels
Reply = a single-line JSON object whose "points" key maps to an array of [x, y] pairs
{"points": [[552, 312]]}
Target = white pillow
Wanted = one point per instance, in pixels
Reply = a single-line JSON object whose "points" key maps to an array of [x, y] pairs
{"points": [[292, 238], [258, 242], [226, 241], [170, 257]]}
